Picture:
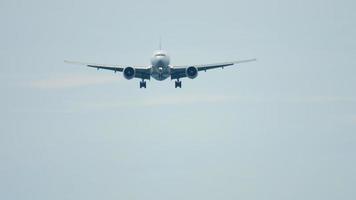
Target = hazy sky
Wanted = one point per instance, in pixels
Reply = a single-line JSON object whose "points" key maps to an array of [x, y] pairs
{"points": [[280, 128]]}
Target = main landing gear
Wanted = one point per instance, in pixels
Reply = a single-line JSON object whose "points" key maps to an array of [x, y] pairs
{"points": [[142, 84], [178, 83]]}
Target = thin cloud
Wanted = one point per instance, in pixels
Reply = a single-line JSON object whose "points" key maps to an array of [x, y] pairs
{"points": [[353, 119], [324, 99], [186, 99], [72, 81], [163, 100]]}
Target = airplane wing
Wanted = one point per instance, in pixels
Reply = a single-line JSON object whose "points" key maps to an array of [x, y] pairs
{"points": [[141, 72], [180, 71]]}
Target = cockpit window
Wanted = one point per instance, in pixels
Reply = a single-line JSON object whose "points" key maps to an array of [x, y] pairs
{"points": [[160, 54]]}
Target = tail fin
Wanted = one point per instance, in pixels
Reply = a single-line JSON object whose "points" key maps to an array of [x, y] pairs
{"points": [[160, 43]]}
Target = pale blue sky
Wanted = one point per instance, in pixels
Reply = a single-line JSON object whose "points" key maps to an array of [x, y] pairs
{"points": [[280, 128]]}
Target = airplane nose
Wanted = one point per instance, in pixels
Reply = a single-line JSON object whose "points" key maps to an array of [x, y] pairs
{"points": [[160, 62]]}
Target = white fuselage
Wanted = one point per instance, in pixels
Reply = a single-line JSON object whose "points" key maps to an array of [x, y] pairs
{"points": [[160, 69]]}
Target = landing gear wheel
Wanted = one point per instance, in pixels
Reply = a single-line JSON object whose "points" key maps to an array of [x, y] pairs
{"points": [[178, 84], [143, 84]]}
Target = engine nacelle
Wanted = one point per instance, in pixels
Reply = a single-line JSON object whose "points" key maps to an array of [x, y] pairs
{"points": [[129, 73], [191, 72]]}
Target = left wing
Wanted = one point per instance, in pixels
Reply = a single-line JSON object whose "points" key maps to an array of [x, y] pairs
{"points": [[141, 72], [180, 71]]}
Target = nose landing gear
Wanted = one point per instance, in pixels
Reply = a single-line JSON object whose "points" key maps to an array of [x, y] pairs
{"points": [[142, 84], [178, 84]]}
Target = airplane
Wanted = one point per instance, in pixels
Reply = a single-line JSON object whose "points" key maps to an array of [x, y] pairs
{"points": [[161, 69]]}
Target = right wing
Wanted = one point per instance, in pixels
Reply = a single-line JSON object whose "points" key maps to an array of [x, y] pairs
{"points": [[141, 72], [205, 67], [180, 71]]}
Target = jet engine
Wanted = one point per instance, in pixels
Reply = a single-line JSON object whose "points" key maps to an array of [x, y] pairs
{"points": [[129, 73], [191, 72]]}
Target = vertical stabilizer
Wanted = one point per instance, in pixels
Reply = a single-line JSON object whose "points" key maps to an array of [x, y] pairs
{"points": [[160, 43]]}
